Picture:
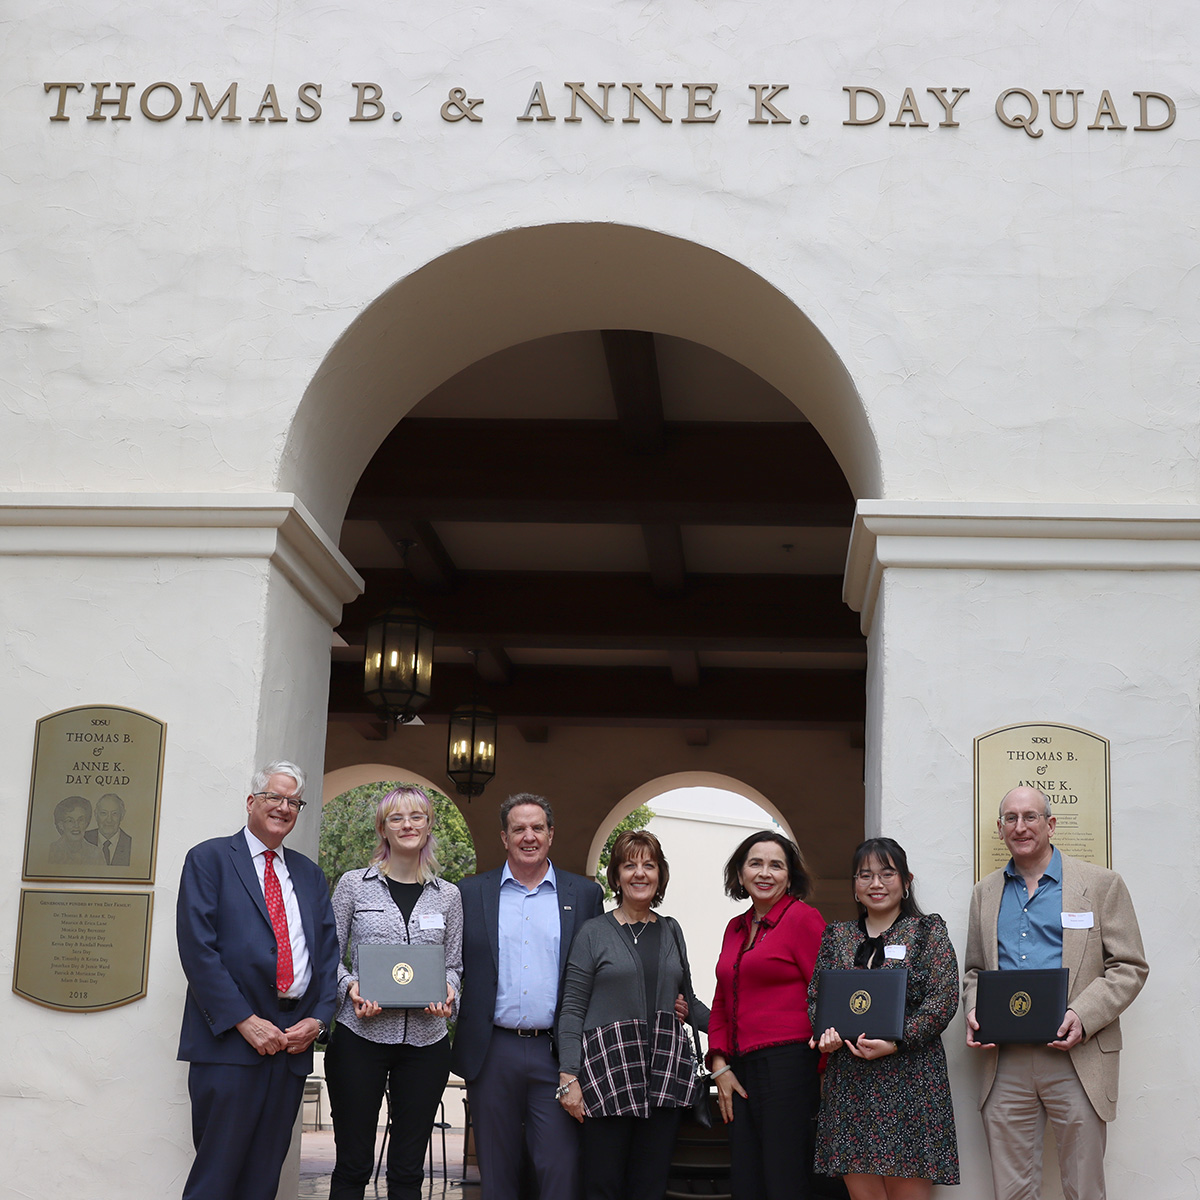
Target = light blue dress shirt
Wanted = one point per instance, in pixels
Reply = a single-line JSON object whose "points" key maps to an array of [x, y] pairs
{"points": [[530, 929], [1029, 930]]}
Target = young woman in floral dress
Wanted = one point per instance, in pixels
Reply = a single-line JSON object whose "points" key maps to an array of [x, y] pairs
{"points": [[886, 1122]]}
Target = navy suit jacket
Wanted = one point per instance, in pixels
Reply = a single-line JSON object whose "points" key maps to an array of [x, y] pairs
{"points": [[120, 852], [579, 900], [227, 948]]}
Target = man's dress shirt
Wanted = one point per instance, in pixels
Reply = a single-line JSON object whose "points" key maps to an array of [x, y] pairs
{"points": [[301, 966], [530, 929], [1029, 928]]}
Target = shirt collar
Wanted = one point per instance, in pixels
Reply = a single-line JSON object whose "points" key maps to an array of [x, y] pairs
{"points": [[257, 847], [506, 875], [1052, 870], [774, 916]]}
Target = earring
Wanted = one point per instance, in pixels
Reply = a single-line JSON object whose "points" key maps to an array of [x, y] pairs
{"points": [[906, 893]]}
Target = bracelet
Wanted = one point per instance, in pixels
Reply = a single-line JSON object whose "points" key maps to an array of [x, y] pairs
{"points": [[720, 1071]]}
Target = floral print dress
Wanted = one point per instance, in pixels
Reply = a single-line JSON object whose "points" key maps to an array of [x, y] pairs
{"points": [[893, 1115]]}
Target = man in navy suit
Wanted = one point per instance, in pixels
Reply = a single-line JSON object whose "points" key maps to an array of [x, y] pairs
{"points": [[259, 949], [518, 924]]}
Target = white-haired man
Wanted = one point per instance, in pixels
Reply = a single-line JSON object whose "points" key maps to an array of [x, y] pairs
{"points": [[259, 948]]}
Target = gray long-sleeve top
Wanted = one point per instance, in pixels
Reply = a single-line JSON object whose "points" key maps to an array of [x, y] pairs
{"points": [[604, 984]]}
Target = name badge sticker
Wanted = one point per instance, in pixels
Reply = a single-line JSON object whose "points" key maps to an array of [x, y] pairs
{"points": [[1083, 920], [438, 921], [895, 951]]}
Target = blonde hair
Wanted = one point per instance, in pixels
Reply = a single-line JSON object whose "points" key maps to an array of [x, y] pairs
{"points": [[428, 866]]}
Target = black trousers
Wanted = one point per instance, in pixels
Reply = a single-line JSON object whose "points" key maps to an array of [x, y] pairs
{"points": [[628, 1158], [357, 1072], [770, 1138]]}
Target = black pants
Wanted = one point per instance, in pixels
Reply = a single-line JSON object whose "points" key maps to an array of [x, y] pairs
{"points": [[628, 1158], [356, 1072], [770, 1138]]}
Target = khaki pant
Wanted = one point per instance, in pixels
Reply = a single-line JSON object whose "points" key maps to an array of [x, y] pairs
{"points": [[1034, 1083]]}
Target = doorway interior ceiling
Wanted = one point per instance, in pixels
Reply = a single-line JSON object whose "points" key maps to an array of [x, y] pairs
{"points": [[630, 528]]}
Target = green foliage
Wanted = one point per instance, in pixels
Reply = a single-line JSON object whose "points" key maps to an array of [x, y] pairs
{"points": [[348, 837], [638, 819]]}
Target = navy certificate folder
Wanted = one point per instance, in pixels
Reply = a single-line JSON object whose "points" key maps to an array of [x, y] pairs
{"points": [[869, 1002], [402, 976], [1020, 1006]]}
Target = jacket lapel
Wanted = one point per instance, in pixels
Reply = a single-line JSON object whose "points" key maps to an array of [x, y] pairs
{"points": [[490, 894], [244, 865], [1074, 941], [990, 918]]}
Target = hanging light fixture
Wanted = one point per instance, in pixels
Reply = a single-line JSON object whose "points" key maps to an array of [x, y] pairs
{"points": [[471, 746], [398, 661]]}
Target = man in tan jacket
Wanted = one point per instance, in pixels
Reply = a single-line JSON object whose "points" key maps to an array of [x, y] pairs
{"points": [[1047, 909]]}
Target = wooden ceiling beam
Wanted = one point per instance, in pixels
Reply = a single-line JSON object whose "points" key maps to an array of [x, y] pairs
{"points": [[428, 559], [637, 696], [598, 610], [664, 552], [633, 374], [721, 473]]}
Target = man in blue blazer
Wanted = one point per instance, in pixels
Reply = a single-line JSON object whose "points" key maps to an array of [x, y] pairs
{"points": [[259, 949], [518, 924]]}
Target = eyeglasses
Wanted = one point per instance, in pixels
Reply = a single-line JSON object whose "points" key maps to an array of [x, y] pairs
{"points": [[395, 820], [884, 876], [1009, 820], [293, 802]]}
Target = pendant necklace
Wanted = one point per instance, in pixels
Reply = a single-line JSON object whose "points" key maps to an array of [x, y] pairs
{"points": [[629, 926]]}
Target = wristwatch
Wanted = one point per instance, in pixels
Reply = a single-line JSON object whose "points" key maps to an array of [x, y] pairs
{"points": [[322, 1032]]}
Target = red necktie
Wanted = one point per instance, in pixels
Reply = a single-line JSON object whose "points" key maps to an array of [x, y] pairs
{"points": [[275, 909]]}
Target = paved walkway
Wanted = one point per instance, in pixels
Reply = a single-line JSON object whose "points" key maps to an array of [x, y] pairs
{"points": [[317, 1159]]}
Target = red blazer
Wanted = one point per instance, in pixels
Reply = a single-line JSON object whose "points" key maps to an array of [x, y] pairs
{"points": [[762, 993]]}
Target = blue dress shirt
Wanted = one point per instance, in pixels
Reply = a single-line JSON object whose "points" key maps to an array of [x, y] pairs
{"points": [[530, 928], [1029, 929]]}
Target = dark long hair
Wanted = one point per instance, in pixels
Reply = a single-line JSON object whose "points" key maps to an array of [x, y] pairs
{"points": [[799, 880], [888, 853]]}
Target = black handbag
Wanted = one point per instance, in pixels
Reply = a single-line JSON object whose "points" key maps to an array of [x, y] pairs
{"points": [[701, 1106]]}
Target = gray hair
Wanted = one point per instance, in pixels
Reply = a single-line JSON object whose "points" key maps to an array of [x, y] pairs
{"points": [[1046, 811], [113, 796], [508, 805], [259, 782]]}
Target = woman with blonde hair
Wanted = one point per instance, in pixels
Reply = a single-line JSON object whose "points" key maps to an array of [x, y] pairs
{"points": [[398, 898]]}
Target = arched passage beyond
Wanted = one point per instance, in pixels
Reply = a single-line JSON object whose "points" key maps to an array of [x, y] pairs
{"points": [[528, 283], [344, 779], [669, 783]]}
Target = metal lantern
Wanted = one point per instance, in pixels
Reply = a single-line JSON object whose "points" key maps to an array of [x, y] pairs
{"points": [[471, 749], [398, 663]]}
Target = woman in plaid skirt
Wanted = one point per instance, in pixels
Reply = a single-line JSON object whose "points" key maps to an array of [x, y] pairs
{"points": [[627, 1068]]}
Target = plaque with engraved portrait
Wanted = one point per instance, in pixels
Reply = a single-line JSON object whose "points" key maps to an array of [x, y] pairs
{"points": [[94, 796], [1068, 765]]}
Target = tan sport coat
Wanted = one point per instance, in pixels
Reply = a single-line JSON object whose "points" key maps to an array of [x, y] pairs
{"points": [[1107, 968]]}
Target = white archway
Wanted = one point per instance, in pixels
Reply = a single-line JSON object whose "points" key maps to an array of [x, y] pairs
{"points": [[528, 283], [669, 783], [346, 778]]}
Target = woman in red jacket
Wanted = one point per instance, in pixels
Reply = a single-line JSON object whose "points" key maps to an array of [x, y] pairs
{"points": [[764, 1069]]}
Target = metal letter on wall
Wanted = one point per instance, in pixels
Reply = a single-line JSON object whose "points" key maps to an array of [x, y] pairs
{"points": [[82, 951], [1068, 764], [94, 797]]}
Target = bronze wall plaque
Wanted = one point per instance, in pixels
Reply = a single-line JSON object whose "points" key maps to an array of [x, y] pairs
{"points": [[1069, 764], [94, 796], [82, 951]]}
